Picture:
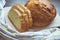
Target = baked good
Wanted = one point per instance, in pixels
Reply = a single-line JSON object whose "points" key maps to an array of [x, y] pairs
{"points": [[26, 12], [42, 11], [20, 17]]}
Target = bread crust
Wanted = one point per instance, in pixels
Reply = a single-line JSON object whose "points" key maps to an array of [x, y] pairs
{"points": [[26, 11], [24, 24], [42, 11]]}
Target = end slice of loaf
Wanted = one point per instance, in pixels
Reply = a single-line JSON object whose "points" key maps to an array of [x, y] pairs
{"points": [[24, 10], [19, 17]]}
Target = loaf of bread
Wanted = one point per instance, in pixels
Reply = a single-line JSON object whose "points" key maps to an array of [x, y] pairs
{"points": [[20, 17], [42, 11]]}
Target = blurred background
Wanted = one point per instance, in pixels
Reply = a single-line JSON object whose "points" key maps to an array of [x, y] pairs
{"points": [[55, 2]]}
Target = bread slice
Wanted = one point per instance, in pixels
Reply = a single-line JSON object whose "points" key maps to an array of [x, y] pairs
{"points": [[19, 18], [26, 11]]}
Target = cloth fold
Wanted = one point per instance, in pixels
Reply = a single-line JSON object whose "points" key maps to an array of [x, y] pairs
{"points": [[2, 3]]}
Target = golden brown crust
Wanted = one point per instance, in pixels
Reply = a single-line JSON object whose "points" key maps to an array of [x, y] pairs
{"points": [[26, 11], [24, 15], [43, 12], [24, 24], [21, 20], [29, 17]]}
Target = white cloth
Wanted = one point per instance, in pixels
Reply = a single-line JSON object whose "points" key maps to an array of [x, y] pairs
{"points": [[2, 3]]}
